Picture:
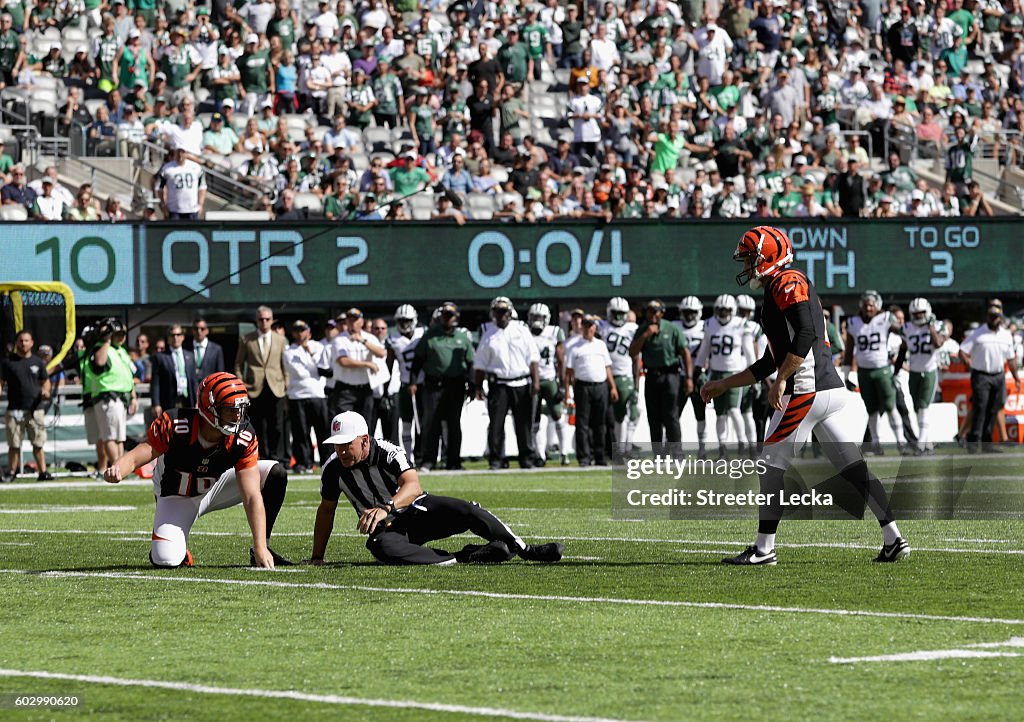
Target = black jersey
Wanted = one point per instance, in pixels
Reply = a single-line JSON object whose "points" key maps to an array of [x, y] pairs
{"points": [[790, 305], [189, 467], [372, 482]]}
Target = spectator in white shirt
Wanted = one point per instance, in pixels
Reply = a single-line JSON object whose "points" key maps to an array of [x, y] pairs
{"points": [[588, 372], [508, 359], [603, 52], [356, 356], [585, 114], [307, 401]]}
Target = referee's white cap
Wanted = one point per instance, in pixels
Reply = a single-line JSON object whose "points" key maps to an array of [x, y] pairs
{"points": [[346, 426]]}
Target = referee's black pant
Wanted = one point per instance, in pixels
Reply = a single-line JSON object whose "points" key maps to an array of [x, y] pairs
{"points": [[266, 412], [431, 518], [500, 398], [386, 409], [306, 414], [988, 394], [443, 397], [591, 421], [661, 394]]}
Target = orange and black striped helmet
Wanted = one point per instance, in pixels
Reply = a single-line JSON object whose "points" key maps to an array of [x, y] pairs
{"points": [[768, 250], [223, 402]]}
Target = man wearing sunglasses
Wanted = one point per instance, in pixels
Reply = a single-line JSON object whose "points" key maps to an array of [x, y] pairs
{"points": [[174, 375]]}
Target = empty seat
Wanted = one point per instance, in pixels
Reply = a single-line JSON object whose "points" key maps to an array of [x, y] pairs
{"points": [[480, 206], [377, 138], [421, 207], [310, 201]]}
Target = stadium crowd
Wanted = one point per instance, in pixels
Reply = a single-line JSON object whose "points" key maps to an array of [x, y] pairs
{"points": [[638, 109]]}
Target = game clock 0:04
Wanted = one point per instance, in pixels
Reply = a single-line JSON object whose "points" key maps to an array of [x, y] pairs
{"points": [[557, 260]]}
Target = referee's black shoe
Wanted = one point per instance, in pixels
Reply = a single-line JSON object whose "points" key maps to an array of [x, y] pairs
{"points": [[550, 552], [494, 552], [279, 561]]}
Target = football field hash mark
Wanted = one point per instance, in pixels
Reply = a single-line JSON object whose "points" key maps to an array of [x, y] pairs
{"points": [[306, 697], [138, 576], [968, 651]]}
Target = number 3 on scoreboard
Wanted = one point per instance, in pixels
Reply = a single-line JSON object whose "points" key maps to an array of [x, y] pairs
{"points": [[942, 269]]}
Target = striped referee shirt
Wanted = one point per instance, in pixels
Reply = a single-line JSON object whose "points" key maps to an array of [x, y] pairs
{"points": [[370, 483]]}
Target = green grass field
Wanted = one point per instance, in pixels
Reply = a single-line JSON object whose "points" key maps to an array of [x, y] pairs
{"points": [[639, 622]]}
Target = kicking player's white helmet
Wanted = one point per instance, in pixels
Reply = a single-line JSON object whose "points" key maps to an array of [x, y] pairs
{"points": [[690, 311], [746, 303], [920, 311], [617, 311], [539, 316], [406, 318], [725, 307]]}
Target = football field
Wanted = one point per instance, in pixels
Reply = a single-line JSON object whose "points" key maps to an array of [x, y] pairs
{"points": [[640, 621]]}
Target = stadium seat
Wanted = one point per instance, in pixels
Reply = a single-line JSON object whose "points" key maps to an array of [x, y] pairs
{"points": [[13, 213], [377, 139], [310, 201], [421, 207], [250, 216], [480, 206]]}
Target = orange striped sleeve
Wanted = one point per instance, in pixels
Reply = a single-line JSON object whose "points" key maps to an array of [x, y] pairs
{"points": [[790, 289]]}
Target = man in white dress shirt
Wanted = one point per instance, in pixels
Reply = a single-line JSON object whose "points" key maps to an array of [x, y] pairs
{"points": [[588, 369], [987, 350], [356, 357], [307, 400], [508, 358]]}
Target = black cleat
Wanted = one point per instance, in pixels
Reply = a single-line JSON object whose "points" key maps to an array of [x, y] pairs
{"points": [[550, 552], [44, 476], [494, 552], [751, 557], [894, 552], [279, 561]]}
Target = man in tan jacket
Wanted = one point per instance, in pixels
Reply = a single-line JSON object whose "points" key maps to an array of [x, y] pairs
{"points": [[260, 364]]}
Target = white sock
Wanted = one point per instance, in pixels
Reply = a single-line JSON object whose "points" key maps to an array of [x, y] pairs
{"points": [[565, 433], [765, 543], [748, 420], [721, 428], [702, 431], [897, 427], [620, 431], [873, 426], [922, 428], [736, 416], [630, 430], [552, 434], [890, 533]]}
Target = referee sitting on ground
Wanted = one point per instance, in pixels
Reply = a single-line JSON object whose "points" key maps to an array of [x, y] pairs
{"points": [[986, 350], [397, 514], [588, 370]]}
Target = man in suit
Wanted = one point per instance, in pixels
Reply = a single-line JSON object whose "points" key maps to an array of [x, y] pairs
{"points": [[174, 375], [209, 354], [260, 364]]}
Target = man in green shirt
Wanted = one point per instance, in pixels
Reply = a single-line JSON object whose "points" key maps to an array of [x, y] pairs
{"points": [[664, 351], [256, 74], [965, 19], [409, 177], [785, 203], [538, 43], [390, 99], [11, 54], [514, 59], [667, 147], [445, 356]]}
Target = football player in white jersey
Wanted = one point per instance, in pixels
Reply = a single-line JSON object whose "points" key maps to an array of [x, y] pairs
{"points": [[867, 344], [690, 321], [550, 342], [727, 349], [402, 343], [925, 336], [754, 404], [618, 332]]}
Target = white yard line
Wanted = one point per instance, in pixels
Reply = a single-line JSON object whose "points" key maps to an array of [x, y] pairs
{"points": [[968, 651], [62, 509], [633, 540], [43, 485], [304, 697], [523, 597], [925, 656]]}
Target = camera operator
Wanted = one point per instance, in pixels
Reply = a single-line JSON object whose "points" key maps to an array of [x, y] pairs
{"points": [[112, 388]]}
